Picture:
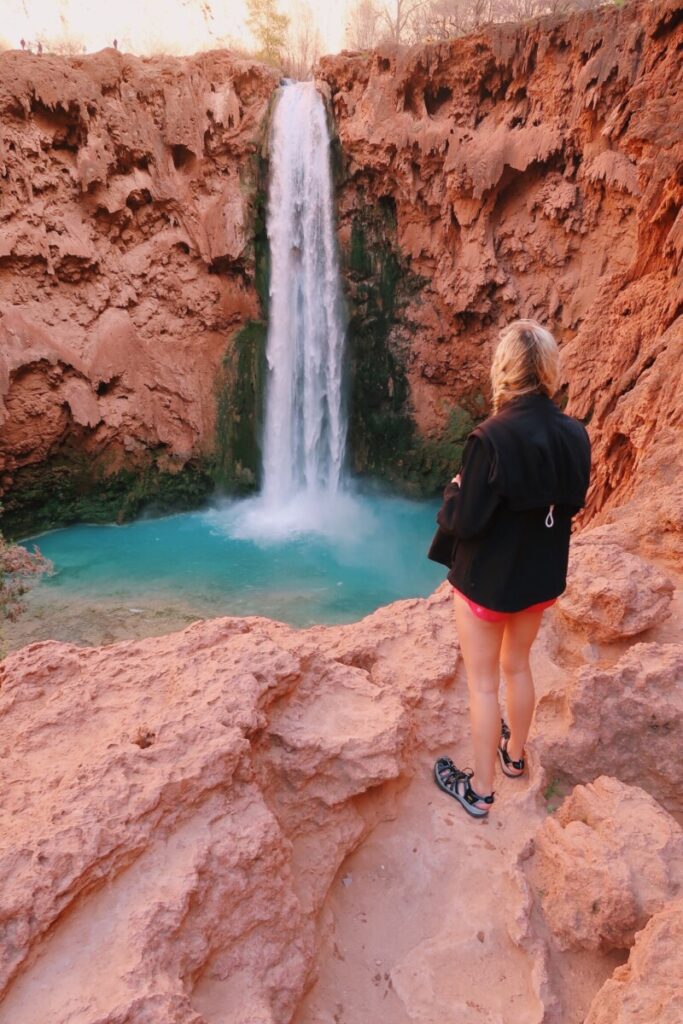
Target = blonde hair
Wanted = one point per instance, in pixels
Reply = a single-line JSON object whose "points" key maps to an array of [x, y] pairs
{"points": [[526, 362]]}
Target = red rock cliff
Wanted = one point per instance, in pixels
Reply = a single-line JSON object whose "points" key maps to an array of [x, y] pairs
{"points": [[126, 257], [532, 170], [529, 170]]}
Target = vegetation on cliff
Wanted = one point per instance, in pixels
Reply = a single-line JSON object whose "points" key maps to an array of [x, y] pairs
{"points": [[19, 568]]}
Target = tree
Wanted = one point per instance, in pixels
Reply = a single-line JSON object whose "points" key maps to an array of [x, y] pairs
{"points": [[444, 19], [64, 45], [303, 43], [362, 28], [399, 18], [269, 28]]}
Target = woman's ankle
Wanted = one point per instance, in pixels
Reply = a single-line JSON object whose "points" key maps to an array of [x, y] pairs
{"points": [[480, 788], [515, 752]]}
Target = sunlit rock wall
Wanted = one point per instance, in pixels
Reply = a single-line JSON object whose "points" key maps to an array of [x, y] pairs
{"points": [[131, 206], [532, 170]]}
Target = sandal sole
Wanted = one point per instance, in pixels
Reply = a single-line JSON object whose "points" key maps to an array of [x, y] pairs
{"points": [[474, 812], [510, 775]]}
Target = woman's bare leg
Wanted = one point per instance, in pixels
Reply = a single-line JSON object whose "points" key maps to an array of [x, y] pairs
{"points": [[480, 643], [520, 633]]}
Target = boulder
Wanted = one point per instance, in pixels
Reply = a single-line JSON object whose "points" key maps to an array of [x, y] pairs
{"points": [[606, 861], [175, 809], [647, 989], [612, 594], [624, 720]]}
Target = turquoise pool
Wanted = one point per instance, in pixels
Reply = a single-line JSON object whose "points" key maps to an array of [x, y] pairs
{"points": [[316, 560]]}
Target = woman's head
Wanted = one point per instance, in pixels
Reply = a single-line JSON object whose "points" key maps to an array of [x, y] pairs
{"points": [[526, 362]]}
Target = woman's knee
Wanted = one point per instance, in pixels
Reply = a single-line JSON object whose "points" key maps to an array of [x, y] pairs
{"points": [[515, 664], [484, 683]]}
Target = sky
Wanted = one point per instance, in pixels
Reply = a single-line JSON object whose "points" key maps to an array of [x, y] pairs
{"points": [[144, 26]]}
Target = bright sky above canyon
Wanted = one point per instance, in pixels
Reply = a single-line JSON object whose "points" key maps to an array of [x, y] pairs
{"points": [[145, 26]]}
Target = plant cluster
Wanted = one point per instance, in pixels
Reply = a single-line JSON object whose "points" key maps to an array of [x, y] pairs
{"points": [[19, 569]]}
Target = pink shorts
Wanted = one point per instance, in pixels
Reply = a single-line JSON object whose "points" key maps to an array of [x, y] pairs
{"points": [[488, 615]]}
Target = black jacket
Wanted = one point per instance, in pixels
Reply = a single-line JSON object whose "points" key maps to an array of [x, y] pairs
{"points": [[492, 530]]}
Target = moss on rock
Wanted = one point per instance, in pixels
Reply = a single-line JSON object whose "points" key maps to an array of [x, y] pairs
{"points": [[239, 395], [383, 438], [73, 488]]}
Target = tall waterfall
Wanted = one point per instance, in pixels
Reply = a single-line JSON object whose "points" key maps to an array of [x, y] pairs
{"points": [[305, 423]]}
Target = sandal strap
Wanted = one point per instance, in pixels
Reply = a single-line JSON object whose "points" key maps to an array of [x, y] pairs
{"points": [[472, 797], [452, 776], [506, 757]]}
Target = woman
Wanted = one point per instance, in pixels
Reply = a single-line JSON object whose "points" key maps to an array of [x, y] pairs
{"points": [[504, 531]]}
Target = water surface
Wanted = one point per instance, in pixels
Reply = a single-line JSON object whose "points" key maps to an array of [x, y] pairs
{"points": [[325, 559]]}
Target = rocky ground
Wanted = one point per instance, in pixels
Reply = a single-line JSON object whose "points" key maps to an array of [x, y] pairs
{"points": [[237, 822]]}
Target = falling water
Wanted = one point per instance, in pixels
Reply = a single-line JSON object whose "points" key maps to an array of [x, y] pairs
{"points": [[305, 424]]}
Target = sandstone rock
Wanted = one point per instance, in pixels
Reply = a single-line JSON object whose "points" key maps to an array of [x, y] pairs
{"points": [[648, 987], [606, 861], [509, 200], [127, 262], [650, 521], [175, 809], [610, 593], [624, 720]]}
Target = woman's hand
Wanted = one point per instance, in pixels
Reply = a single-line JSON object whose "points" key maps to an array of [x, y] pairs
{"points": [[457, 480]]}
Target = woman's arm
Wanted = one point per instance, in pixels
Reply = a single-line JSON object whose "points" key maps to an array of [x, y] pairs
{"points": [[468, 507]]}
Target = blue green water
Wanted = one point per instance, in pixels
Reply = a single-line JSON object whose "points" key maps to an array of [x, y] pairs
{"points": [[310, 562]]}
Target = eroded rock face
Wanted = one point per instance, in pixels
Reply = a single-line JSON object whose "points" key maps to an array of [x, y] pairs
{"points": [[612, 594], [648, 987], [127, 262], [608, 860], [624, 720], [176, 808], [528, 171]]}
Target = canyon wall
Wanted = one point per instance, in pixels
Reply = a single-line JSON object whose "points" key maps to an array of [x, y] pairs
{"points": [[131, 213], [531, 170]]}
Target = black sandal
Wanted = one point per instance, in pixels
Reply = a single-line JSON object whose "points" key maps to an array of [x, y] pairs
{"points": [[506, 761], [457, 784]]}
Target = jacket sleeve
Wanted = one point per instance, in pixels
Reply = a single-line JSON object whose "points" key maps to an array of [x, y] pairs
{"points": [[467, 511]]}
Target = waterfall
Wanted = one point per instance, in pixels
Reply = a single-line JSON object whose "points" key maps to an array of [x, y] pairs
{"points": [[305, 424]]}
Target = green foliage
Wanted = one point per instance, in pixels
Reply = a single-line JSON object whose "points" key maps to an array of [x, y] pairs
{"points": [[240, 391], [269, 28], [261, 247], [553, 795], [436, 460], [383, 439], [19, 569], [73, 488]]}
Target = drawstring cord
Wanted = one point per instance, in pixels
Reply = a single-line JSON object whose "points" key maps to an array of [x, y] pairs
{"points": [[549, 519]]}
